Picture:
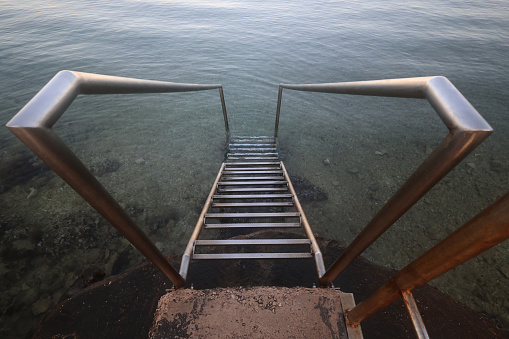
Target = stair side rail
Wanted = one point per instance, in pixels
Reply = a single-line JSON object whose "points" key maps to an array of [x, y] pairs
{"points": [[33, 126], [467, 129]]}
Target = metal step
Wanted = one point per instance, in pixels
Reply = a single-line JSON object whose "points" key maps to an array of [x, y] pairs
{"points": [[246, 172], [263, 182], [253, 178], [252, 189], [251, 167], [251, 158], [255, 225], [251, 204], [249, 147], [244, 169], [252, 150], [252, 153], [257, 145], [253, 215], [229, 256], [252, 242], [254, 144], [252, 196], [236, 138], [252, 163]]}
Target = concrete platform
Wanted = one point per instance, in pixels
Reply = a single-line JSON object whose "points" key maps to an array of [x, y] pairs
{"points": [[257, 312]]}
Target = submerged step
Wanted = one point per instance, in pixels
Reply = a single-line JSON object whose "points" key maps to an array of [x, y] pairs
{"points": [[236, 138], [253, 215], [250, 148], [252, 204], [253, 178], [254, 189], [230, 256], [255, 225], [252, 196], [252, 242], [252, 153], [260, 182], [252, 163], [252, 144], [248, 171], [251, 158]]}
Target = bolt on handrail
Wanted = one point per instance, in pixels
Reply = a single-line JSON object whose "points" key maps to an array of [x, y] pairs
{"points": [[33, 126], [467, 129]]}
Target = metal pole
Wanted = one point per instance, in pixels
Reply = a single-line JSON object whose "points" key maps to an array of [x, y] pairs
{"points": [[225, 116], [320, 267], [415, 315], [52, 150], [278, 110], [453, 149], [32, 125], [467, 130], [186, 258], [487, 229]]}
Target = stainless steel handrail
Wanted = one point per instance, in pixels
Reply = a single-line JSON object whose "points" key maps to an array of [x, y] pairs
{"points": [[186, 257], [317, 254], [467, 130], [33, 126]]}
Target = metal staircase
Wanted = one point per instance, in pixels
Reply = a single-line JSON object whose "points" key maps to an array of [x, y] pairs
{"points": [[252, 191]]}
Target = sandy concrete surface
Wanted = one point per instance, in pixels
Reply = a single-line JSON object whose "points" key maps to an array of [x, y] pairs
{"points": [[257, 312]]}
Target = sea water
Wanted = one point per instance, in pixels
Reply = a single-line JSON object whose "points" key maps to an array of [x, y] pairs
{"points": [[158, 154]]}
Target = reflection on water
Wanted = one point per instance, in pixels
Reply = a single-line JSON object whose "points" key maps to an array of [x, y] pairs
{"points": [[159, 154]]}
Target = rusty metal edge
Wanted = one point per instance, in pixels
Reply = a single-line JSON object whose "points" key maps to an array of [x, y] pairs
{"points": [[487, 229]]}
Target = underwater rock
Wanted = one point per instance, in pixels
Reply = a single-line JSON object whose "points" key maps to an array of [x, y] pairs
{"points": [[23, 246], [22, 169], [160, 246], [497, 166], [93, 255], [41, 306], [123, 261], [33, 192], [306, 191], [505, 271], [92, 275], [28, 297], [16, 249], [89, 276], [103, 167]]}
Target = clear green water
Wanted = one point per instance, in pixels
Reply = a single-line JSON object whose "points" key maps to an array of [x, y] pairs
{"points": [[249, 47]]}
